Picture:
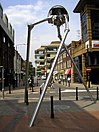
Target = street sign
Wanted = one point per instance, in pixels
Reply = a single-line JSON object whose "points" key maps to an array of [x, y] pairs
{"points": [[88, 69], [43, 71]]}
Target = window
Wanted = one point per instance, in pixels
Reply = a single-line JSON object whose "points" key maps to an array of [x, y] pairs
{"points": [[95, 24], [8, 44], [41, 63], [37, 57], [64, 55], [48, 55], [54, 49], [64, 65], [41, 57], [41, 52], [4, 40], [84, 27]]}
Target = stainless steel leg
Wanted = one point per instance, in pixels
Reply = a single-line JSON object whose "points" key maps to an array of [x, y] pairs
{"points": [[48, 79], [79, 73]]}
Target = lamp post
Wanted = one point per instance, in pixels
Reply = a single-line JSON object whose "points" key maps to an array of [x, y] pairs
{"points": [[17, 63]]}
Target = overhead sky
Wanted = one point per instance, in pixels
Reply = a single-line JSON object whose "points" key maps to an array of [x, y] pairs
{"points": [[20, 13]]}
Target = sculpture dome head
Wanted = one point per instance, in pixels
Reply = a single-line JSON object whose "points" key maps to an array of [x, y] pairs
{"points": [[58, 15]]}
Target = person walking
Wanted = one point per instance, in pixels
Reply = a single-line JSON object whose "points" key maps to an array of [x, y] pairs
{"points": [[31, 83], [68, 80]]}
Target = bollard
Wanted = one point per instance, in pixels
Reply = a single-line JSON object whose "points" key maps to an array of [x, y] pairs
{"points": [[52, 108], [97, 93], [66, 82], [37, 81], [40, 90], [3, 93], [59, 93], [76, 93], [26, 98], [9, 88], [32, 89]]}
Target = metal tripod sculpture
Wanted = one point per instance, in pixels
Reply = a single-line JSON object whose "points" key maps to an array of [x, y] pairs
{"points": [[57, 16]]}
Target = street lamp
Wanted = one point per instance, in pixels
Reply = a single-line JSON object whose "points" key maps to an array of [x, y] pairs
{"points": [[17, 63]]}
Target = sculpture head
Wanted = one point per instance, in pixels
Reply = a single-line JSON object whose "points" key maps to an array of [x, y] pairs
{"points": [[58, 15]]}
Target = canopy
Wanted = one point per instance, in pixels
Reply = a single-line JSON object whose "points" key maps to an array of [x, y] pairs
{"points": [[68, 71]]}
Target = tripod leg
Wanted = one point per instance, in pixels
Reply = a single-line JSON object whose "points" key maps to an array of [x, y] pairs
{"points": [[48, 79], [79, 73]]}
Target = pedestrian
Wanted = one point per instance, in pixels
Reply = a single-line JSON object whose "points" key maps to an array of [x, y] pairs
{"points": [[52, 84], [13, 83], [68, 80], [31, 83], [42, 86], [63, 79]]}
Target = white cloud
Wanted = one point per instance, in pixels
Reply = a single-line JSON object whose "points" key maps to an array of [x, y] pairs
{"points": [[23, 14], [39, 6]]}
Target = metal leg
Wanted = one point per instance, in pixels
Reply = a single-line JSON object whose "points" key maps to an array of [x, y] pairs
{"points": [[30, 27], [48, 79], [79, 73]]}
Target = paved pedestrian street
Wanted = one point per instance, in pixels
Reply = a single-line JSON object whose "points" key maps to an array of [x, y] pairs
{"points": [[69, 115]]}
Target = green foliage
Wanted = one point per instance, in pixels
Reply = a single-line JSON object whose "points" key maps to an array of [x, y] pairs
{"points": [[31, 69]]}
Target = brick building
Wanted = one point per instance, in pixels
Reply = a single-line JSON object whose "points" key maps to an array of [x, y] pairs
{"points": [[87, 51], [6, 47]]}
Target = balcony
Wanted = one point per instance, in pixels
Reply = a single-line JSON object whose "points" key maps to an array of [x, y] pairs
{"points": [[39, 60], [38, 54], [52, 51]]}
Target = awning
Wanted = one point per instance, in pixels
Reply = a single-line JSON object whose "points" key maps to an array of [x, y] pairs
{"points": [[68, 71], [61, 71]]}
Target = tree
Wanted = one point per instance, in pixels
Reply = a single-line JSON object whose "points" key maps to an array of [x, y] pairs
{"points": [[30, 70]]}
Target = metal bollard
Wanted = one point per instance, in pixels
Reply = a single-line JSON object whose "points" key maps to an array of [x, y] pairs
{"points": [[32, 89], [59, 93], [76, 93], [97, 93], [3, 93], [26, 98], [40, 90], [52, 108], [9, 88], [37, 81]]}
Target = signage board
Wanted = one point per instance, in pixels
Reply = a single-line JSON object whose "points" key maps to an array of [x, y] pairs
{"points": [[95, 44], [88, 69]]}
